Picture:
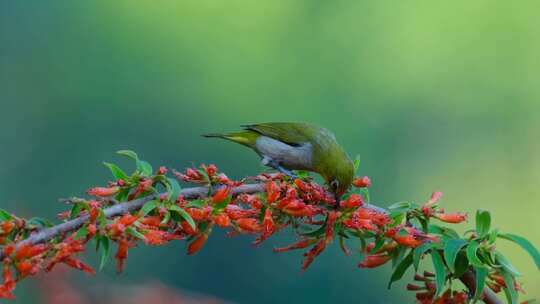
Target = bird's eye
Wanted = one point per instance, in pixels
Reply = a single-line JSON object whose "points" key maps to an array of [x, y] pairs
{"points": [[334, 184]]}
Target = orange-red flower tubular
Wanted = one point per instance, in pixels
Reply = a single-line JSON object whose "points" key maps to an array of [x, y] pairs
{"points": [[353, 201], [103, 191], [452, 218], [222, 220], [298, 245], [362, 182], [372, 261], [121, 254], [28, 251], [249, 225], [197, 244], [77, 264], [272, 192], [221, 195], [268, 223]]}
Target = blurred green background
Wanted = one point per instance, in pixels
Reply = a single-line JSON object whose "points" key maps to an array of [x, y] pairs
{"points": [[432, 95]]}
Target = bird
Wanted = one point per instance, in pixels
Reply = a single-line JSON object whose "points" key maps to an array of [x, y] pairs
{"points": [[287, 146]]}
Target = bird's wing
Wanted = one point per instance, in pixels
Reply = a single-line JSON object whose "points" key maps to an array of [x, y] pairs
{"points": [[294, 134]]}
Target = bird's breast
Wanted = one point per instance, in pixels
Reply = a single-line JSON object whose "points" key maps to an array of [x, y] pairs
{"points": [[291, 157]]}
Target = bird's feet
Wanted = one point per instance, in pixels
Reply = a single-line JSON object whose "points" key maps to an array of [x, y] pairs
{"points": [[269, 162]]}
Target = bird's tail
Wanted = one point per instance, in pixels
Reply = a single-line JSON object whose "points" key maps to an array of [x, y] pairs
{"points": [[246, 138]]}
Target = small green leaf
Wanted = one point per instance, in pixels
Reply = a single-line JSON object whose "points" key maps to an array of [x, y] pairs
{"points": [[483, 222], [76, 210], [129, 154], [148, 207], [199, 203], [356, 163], [222, 205], [175, 188], [461, 265], [184, 215], [102, 220], [105, 251], [419, 251], [81, 233], [401, 268], [116, 171], [4, 215], [440, 271], [144, 167], [451, 249], [509, 290], [471, 254], [166, 218], [134, 232], [378, 244], [481, 274], [493, 234], [525, 244], [503, 261]]}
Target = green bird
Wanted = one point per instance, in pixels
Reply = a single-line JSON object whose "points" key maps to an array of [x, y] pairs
{"points": [[286, 146]]}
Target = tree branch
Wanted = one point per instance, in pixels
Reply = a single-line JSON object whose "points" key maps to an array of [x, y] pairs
{"points": [[468, 279]]}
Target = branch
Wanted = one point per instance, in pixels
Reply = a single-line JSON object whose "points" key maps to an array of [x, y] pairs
{"points": [[138, 212], [45, 235]]}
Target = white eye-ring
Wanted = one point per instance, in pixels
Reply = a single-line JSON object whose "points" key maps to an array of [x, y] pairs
{"points": [[334, 184]]}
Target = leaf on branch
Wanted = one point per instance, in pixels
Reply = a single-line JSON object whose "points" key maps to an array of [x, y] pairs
{"points": [[483, 222], [525, 244]]}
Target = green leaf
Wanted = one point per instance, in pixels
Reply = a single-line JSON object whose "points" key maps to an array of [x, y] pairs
{"points": [[509, 290], [105, 251], [144, 167], [116, 171], [503, 261], [129, 154], [76, 210], [378, 244], [440, 271], [401, 268], [493, 234], [39, 222], [199, 203], [222, 205], [419, 251], [175, 188], [451, 249], [148, 207], [4, 215], [400, 205], [166, 218], [81, 233], [102, 220], [356, 163], [481, 274], [525, 244], [134, 232], [483, 222], [184, 215], [461, 264], [471, 254]]}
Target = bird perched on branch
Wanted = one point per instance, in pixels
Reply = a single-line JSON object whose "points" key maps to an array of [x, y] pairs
{"points": [[287, 146]]}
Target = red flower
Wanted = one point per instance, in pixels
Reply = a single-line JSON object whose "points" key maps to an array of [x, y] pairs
{"points": [[222, 220], [249, 225], [121, 254], [162, 170], [197, 244], [355, 200], [268, 223], [28, 251], [210, 170], [362, 182], [6, 227], [156, 237], [187, 228], [199, 214], [298, 245], [221, 195], [272, 192], [26, 268], [313, 253], [372, 261], [453, 218], [9, 249], [103, 191], [77, 264], [153, 221]]}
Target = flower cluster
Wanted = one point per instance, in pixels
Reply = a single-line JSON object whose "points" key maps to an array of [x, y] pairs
{"points": [[150, 207]]}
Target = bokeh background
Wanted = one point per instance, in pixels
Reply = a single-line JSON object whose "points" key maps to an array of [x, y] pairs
{"points": [[432, 95]]}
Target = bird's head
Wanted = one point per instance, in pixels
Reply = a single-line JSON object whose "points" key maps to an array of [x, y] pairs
{"points": [[340, 176]]}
